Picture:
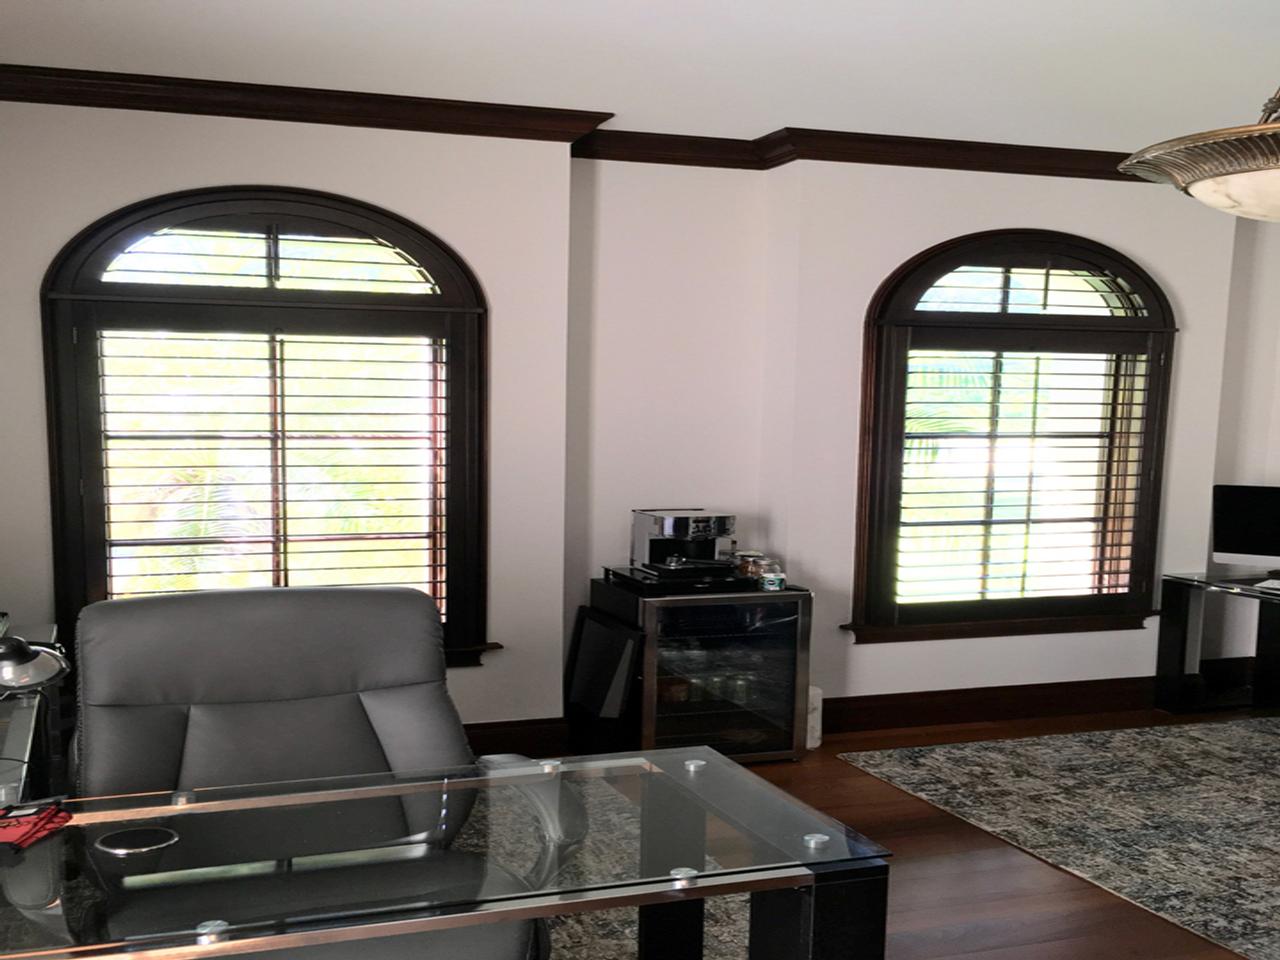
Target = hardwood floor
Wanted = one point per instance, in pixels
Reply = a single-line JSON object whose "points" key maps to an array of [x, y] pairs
{"points": [[959, 892]]}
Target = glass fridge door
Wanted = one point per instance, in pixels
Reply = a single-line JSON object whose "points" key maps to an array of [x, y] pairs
{"points": [[727, 675]]}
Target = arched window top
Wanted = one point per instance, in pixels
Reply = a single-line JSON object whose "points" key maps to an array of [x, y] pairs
{"points": [[1014, 278], [206, 253], [259, 243], [979, 289]]}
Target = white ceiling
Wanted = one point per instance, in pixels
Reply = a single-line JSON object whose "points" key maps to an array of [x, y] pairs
{"points": [[1108, 74]]}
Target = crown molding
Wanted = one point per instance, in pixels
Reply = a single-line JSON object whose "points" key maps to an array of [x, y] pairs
{"points": [[793, 143], [639, 147], [129, 91]]}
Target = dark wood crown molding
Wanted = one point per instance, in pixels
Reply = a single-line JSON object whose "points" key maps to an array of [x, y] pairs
{"points": [[128, 91], [792, 143], [668, 148]]}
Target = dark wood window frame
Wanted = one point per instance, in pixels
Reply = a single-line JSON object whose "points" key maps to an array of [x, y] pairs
{"points": [[77, 304], [894, 326]]}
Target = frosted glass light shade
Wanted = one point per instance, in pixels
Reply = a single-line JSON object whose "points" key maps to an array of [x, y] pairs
{"points": [[1235, 170], [1254, 194]]}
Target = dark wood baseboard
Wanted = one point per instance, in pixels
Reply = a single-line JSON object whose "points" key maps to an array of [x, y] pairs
{"points": [[933, 707], [549, 736], [541, 737]]}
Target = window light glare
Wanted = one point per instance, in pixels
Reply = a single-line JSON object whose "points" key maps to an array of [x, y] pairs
{"points": [[298, 262]]}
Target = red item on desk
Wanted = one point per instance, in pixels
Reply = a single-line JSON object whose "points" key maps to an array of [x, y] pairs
{"points": [[22, 826]]}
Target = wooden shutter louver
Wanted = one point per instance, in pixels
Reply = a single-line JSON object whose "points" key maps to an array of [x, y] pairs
{"points": [[273, 460], [1020, 474]]}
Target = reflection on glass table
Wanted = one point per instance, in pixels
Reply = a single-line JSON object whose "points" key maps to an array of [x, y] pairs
{"points": [[18, 715], [303, 864]]}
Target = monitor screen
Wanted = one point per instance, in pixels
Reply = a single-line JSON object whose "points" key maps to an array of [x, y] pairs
{"points": [[1246, 523]]}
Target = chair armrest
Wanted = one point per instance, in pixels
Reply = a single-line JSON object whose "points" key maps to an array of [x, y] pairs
{"points": [[560, 811]]}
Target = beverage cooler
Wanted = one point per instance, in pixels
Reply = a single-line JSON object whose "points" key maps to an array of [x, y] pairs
{"points": [[726, 669]]}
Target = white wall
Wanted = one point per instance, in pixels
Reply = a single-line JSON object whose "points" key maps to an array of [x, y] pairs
{"points": [[673, 266], [702, 346], [668, 325], [501, 204], [1248, 449]]}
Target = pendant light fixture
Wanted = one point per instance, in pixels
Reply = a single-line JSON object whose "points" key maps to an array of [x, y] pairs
{"points": [[1235, 169]]}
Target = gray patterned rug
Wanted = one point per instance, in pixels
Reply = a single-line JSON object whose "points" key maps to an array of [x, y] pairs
{"points": [[500, 824], [1182, 820]]}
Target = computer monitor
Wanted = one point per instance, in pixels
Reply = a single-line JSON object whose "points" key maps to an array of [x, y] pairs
{"points": [[1246, 526]]}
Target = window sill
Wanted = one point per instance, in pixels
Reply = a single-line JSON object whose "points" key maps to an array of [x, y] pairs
{"points": [[902, 633], [468, 656]]}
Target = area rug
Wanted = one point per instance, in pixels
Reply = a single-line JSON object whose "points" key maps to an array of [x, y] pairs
{"points": [[1182, 820], [502, 826]]}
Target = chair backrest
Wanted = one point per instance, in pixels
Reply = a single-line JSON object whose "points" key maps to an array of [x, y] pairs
{"points": [[248, 686]]}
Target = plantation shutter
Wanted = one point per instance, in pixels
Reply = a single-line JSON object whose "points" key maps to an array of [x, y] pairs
{"points": [[245, 460], [1020, 474], [1014, 417]]}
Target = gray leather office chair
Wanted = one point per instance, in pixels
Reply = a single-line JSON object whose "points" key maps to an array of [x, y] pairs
{"points": [[246, 686]]}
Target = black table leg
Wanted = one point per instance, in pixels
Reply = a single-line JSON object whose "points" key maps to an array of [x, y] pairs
{"points": [[1266, 665], [840, 917], [673, 834], [1172, 688]]}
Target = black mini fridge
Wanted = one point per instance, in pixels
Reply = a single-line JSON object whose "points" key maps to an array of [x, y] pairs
{"points": [[725, 670]]}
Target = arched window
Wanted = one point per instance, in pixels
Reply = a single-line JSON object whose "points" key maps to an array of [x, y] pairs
{"points": [[1014, 410], [258, 387]]}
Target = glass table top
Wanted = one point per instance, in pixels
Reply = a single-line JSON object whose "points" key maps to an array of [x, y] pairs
{"points": [[1244, 585], [18, 716], [257, 867]]}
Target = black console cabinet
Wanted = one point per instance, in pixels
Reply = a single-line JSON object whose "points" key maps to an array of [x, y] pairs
{"points": [[728, 670]]}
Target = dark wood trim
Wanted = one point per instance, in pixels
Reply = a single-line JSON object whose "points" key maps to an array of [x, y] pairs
{"points": [[791, 143], [985, 704], [460, 656], [1225, 672], [892, 328], [71, 364], [636, 147], [996, 628], [540, 737], [223, 98]]}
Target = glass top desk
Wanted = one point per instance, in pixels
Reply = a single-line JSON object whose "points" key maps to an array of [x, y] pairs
{"points": [[19, 713], [1178, 681], [288, 866]]}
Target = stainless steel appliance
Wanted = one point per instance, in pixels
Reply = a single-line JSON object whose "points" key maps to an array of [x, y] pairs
{"points": [[692, 533]]}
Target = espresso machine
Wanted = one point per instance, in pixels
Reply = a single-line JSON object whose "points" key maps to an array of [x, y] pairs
{"points": [[693, 534], [679, 551]]}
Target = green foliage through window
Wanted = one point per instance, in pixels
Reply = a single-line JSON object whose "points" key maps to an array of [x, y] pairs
{"points": [[1020, 474]]}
